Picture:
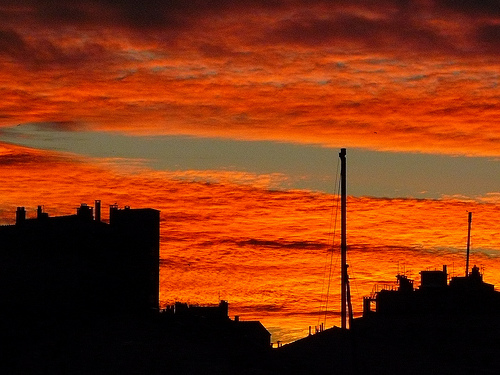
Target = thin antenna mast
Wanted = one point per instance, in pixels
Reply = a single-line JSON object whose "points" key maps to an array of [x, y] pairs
{"points": [[343, 237], [468, 246]]}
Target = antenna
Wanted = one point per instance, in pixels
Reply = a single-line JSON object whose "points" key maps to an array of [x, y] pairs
{"points": [[343, 244], [468, 246]]}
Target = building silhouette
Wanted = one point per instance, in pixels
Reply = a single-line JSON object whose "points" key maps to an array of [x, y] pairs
{"points": [[215, 321], [80, 295], [79, 265], [463, 295]]}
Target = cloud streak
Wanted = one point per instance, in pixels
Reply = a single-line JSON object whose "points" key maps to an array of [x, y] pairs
{"points": [[404, 76]]}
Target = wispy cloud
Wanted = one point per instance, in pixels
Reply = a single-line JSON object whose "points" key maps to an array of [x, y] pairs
{"points": [[412, 76]]}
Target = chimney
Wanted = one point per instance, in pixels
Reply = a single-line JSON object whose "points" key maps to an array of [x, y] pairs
{"points": [[40, 215], [113, 209], [20, 215], [85, 212], [97, 210]]}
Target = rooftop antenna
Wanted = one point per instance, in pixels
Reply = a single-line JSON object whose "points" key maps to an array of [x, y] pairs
{"points": [[468, 246], [343, 239]]}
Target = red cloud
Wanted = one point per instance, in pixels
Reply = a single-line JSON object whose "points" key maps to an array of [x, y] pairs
{"points": [[402, 76]]}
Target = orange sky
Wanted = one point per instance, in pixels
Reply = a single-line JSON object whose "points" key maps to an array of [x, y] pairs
{"points": [[264, 250], [386, 75]]}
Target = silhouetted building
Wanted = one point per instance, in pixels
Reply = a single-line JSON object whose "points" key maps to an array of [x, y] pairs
{"points": [[76, 296], [215, 319], [463, 295], [218, 313], [77, 264], [436, 328]]}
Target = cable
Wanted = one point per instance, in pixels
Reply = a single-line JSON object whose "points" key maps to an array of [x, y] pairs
{"points": [[331, 258], [330, 248]]}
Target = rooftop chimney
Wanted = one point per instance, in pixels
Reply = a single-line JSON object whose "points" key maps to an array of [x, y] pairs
{"points": [[40, 215], [84, 212], [20, 215], [98, 210]]}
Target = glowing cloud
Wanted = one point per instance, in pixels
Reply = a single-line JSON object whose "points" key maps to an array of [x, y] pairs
{"points": [[414, 76]]}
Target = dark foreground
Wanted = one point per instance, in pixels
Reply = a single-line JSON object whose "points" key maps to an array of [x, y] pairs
{"points": [[124, 346], [395, 345], [153, 345]]}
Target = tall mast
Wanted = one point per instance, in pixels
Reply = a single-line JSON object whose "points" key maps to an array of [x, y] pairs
{"points": [[343, 236], [468, 246]]}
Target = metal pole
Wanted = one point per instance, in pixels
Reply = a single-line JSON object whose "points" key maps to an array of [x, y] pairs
{"points": [[343, 244], [468, 246]]}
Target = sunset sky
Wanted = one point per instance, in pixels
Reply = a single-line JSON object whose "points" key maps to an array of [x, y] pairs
{"points": [[228, 116], [263, 87]]}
